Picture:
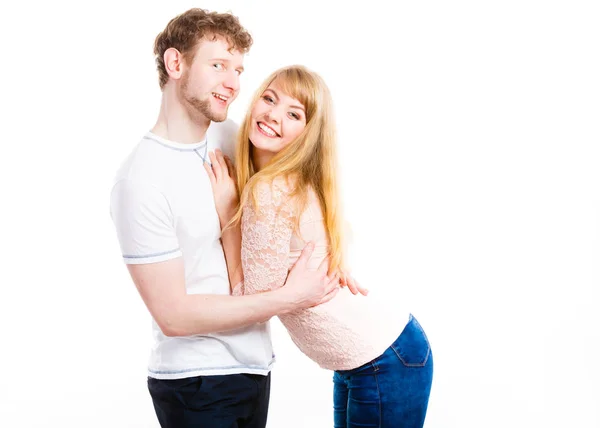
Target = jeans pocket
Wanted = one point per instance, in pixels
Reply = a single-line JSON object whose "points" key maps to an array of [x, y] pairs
{"points": [[412, 346], [180, 391]]}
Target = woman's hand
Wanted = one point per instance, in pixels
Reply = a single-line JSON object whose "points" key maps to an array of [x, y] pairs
{"points": [[224, 186]]}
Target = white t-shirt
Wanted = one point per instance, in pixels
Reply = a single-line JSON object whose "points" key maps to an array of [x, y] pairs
{"points": [[162, 207]]}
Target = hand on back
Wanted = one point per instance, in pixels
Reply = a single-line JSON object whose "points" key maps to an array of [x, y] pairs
{"points": [[223, 182]]}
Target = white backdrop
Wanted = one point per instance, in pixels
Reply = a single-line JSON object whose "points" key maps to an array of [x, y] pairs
{"points": [[469, 134]]}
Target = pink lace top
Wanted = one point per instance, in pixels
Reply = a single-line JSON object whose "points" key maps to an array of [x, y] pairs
{"points": [[342, 334]]}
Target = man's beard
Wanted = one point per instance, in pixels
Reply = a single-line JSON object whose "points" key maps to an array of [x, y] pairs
{"points": [[195, 105]]}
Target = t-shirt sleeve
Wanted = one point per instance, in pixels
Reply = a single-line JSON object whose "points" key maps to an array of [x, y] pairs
{"points": [[144, 222]]}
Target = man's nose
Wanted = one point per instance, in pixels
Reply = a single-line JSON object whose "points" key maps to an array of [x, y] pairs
{"points": [[232, 81]]}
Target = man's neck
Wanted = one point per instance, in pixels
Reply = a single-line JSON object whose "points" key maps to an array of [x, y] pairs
{"points": [[175, 124]]}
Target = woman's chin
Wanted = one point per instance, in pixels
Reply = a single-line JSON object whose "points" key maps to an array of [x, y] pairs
{"points": [[259, 143]]}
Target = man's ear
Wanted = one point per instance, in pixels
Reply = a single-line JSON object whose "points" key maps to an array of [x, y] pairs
{"points": [[173, 63]]}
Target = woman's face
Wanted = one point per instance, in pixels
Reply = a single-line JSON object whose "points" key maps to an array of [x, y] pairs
{"points": [[277, 119]]}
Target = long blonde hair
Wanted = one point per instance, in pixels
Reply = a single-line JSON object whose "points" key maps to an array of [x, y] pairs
{"points": [[310, 159]]}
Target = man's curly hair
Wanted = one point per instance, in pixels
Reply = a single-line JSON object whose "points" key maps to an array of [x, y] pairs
{"points": [[185, 31]]}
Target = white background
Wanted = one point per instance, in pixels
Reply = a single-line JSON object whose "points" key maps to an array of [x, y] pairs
{"points": [[469, 133]]}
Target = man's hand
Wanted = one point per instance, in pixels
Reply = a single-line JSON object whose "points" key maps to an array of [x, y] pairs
{"points": [[306, 288], [348, 281]]}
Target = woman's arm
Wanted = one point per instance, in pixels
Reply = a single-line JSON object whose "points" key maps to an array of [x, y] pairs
{"points": [[267, 231], [257, 247], [266, 234], [222, 180], [231, 238]]}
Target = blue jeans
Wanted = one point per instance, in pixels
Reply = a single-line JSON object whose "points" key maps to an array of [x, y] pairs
{"points": [[222, 401], [390, 391]]}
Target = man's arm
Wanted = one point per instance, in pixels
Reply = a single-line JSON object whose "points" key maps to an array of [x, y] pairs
{"points": [[144, 225], [162, 287]]}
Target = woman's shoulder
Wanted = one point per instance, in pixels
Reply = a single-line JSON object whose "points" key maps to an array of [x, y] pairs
{"points": [[276, 188], [277, 193], [283, 192]]}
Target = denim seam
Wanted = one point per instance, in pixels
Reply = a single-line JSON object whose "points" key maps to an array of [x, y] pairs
{"points": [[422, 331], [379, 398], [341, 381]]}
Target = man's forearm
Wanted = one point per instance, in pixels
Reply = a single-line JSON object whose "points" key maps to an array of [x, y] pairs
{"points": [[208, 313]]}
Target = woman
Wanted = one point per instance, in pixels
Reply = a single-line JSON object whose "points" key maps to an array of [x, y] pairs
{"points": [[286, 185]]}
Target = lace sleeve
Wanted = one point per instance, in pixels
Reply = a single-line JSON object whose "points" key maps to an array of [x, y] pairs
{"points": [[266, 235]]}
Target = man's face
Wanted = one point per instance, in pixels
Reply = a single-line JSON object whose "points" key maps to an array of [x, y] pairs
{"points": [[212, 81]]}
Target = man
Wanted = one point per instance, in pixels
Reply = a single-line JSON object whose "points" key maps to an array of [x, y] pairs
{"points": [[211, 360]]}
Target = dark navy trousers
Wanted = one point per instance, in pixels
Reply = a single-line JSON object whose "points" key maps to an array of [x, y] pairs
{"points": [[225, 401]]}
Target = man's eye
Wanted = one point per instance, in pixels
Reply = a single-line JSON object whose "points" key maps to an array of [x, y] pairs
{"points": [[218, 66]]}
